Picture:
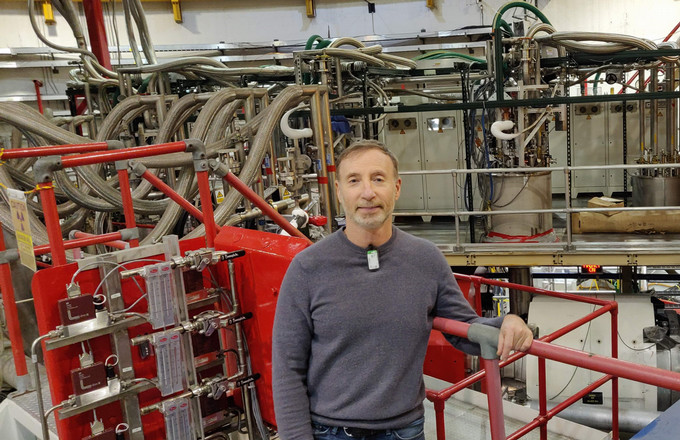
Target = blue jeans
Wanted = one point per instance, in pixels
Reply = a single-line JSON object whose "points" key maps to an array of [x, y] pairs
{"points": [[414, 431]]}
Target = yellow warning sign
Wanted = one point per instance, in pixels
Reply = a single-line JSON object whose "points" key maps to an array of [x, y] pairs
{"points": [[219, 196], [22, 227]]}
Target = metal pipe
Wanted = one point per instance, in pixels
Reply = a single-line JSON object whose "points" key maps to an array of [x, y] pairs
{"points": [[118, 244], [601, 418], [165, 189], [325, 109], [322, 172], [641, 81], [653, 114], [38, 386], [270, 212], [448, 392], [49, 204], [240, 350], [128, 208], [52, 150], [542, 398], [494, 396], [12, 319], [615, 380], [125, 154], [542, 421], [85, 240], [207, 207]]}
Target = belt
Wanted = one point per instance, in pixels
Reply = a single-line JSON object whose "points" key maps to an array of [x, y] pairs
{"points": [[362, 432]]}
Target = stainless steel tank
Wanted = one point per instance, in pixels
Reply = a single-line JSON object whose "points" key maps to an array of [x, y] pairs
{"points": [[521, 191], [656, 191]]}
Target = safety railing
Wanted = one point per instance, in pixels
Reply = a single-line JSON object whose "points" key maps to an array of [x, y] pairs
{"points": [[457, 212], [612, 367]]}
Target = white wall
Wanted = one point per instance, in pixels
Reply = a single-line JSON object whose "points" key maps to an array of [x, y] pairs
{"points": [[213, 21]]}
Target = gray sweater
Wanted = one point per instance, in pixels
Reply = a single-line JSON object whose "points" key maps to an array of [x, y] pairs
{"points": [[349, 343]]}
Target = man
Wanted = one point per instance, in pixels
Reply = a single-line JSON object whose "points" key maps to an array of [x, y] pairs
{"points": [[354, 315]]}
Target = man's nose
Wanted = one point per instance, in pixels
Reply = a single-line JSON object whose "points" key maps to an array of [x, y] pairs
{"points": [[367, 190]]}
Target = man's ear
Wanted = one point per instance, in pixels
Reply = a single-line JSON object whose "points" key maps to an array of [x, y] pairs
{"points": [[398, 185]]}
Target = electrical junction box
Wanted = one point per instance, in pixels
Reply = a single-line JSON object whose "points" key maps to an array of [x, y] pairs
{"points": [[89, 378], [76, 309]]}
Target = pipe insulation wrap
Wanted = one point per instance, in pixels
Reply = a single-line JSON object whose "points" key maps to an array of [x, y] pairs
{"points": [[294, 133], [498, 127]]}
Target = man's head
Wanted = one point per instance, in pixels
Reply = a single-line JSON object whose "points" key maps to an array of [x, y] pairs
{"points": [[367, 185], [365, 145]]}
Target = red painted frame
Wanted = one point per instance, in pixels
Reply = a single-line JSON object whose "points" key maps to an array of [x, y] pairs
{"points": [[440, 397]]}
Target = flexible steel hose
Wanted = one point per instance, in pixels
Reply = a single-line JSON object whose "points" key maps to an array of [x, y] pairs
{"points": [[272, 115]]}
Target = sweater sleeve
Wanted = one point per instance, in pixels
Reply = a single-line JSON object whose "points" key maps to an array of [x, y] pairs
{"points": [[451, 304], [291, 342]]}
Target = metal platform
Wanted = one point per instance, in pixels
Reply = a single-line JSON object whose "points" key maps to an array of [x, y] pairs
{"points": [[19, 418], [603, 249]]}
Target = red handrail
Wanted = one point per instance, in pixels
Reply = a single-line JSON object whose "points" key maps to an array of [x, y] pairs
{"points": [[52, 150], [439, 397], [123, 154]]}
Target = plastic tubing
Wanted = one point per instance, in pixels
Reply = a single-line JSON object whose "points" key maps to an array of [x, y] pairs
{"points": [[518, 4]]}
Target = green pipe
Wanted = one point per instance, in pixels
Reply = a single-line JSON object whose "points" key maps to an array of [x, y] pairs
{"points": [[597, 79], [311, 40], [504, 24], [518, 4]]}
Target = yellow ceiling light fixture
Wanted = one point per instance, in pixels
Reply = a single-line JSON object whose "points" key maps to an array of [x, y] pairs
{"points": [[311, 8]]}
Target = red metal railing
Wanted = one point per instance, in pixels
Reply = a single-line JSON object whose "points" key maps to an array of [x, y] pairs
{"points": [[612, 367]]}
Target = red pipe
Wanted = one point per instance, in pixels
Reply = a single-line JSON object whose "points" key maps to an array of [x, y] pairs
{"points": [[118, 244], [615, 367], [49, 204], [441, 421], [615, 380], [264, 206], [124, 154], [52, 150], [531, 289], [207, 207], [165, 189], [542, 398], [494, 398], [128, 208], [85, 240], [542, 421], [11, 314], [97, 31], [38, 96], [139, 225], [470, 380]]}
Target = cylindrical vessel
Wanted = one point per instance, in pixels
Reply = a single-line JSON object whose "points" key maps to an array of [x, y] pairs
{"points": [[656, 191], [521, 191]]}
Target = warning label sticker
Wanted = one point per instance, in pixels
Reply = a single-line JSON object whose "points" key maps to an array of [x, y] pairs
{"points": [[22, 227]]}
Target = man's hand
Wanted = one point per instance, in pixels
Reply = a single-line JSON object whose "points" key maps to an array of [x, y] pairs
{"points": [[514, 335]]}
